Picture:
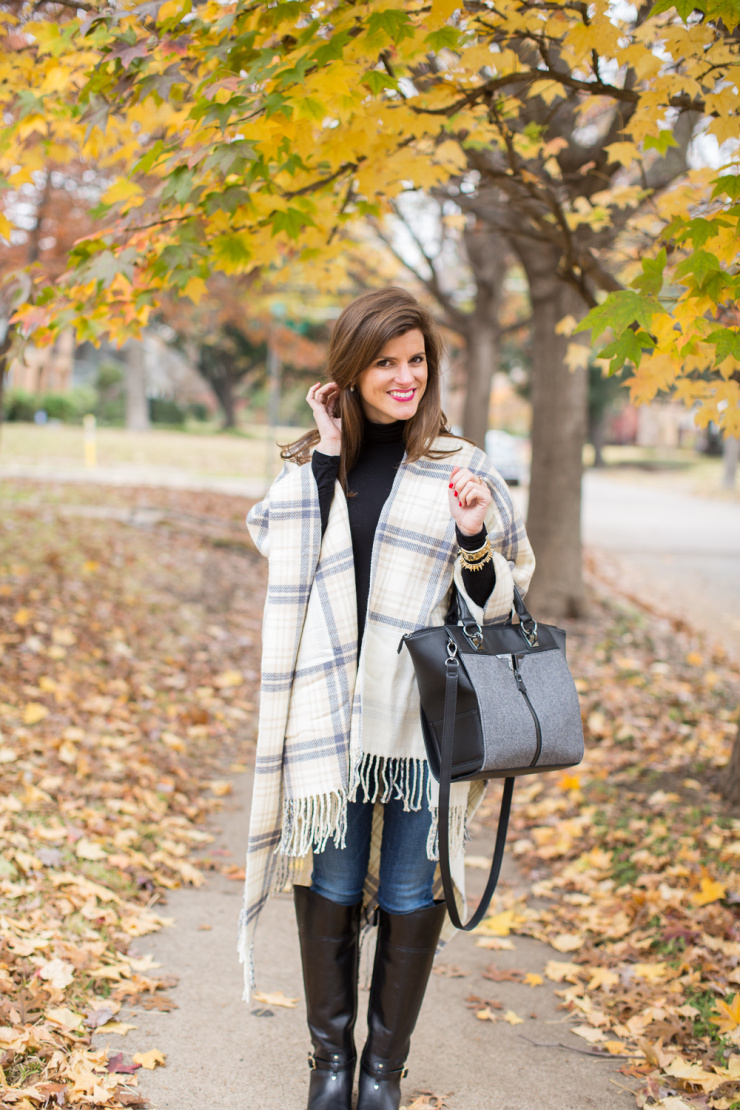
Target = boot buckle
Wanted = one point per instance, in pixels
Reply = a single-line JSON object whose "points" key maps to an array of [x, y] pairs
{"points": [[312, 1061]]}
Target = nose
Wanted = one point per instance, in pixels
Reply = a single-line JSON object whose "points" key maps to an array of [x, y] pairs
{"points": [[404, 375]]}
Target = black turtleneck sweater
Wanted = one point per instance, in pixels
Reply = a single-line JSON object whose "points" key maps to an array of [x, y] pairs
{"points": [[371, 479]]}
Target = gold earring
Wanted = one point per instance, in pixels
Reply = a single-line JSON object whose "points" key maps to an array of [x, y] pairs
{"points": [[351, 389]]}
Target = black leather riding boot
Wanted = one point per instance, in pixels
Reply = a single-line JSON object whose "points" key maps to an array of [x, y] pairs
{"points": [[403, 961], [329, 940]]}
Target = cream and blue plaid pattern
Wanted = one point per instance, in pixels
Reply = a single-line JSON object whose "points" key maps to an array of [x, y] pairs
{"points": [[332, 726]]}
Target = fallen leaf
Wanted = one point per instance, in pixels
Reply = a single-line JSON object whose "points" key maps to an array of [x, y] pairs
{"points": [[149, 1060], [729, 1015], [588, 1033], [533, 980], [567, 942], [117, 1066], [119, 1028], [711, 891], [58, 973], [512, 1018], [34, 712], [227, 679], [275, 998], [65, 1017]]}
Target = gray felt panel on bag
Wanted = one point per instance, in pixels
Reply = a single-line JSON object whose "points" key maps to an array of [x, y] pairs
{"points": [[553, 695], [509, 736]]}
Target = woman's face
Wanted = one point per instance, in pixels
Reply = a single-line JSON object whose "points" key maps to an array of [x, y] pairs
{"points": [[394, 382]]}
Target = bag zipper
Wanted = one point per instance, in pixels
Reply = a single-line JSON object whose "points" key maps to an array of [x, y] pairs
{"points": [[523, 691]]}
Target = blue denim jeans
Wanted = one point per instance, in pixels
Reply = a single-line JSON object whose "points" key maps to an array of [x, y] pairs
{"points": [[406, 875]]}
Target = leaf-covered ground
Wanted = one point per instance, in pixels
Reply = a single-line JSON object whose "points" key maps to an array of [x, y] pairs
{"points": [[635, 863], [128, 671], [128, 680]]}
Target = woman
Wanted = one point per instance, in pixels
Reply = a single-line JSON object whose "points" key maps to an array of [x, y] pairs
{"points": [[372, 517]]}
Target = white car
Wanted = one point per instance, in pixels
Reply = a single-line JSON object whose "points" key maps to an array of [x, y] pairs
{"points": [[508, 454]]}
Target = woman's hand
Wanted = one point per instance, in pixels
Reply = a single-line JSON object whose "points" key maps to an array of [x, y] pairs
{"points": [[324, 402], [469, 499]]}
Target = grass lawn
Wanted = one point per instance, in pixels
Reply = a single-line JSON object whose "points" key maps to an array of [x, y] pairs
{"points": [[249, 454]]}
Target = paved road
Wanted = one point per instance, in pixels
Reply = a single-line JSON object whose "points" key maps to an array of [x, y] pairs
{"points": [[220, 1054], [678, 551]]}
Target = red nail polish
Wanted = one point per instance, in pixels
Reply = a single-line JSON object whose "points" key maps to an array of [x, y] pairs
{"points": [[450, 485]]}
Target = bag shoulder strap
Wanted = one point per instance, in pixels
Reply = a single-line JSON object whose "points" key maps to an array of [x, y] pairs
{"points": [[452, 671]]}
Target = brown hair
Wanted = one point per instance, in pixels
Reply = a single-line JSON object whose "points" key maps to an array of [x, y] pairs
{"points": [[358, 337]]}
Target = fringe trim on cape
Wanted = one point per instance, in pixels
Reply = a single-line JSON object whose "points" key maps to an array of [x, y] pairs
{"points": [[308, 823], [381, 778]]}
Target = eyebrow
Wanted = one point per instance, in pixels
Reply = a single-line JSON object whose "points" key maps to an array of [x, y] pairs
{"points": [[416, 355]]}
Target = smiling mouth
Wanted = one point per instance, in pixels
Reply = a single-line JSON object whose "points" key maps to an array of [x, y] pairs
{"points": [[401, 395]]}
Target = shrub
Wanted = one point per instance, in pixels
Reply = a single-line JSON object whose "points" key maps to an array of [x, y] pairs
{"points": [[165, 412]]}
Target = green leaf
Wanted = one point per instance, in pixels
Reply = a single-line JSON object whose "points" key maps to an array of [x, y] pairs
{"points": [[727, 341], [376, 81], [619, 311], [660, 142], [179, 185], [651, 278], [698, 230], [333, 50], [445, 38], [394, 23], [729, 184], [701, 264], [292, 221], [683, 7], [629, 347]]}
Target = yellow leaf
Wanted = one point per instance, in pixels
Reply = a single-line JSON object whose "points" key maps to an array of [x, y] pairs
{"points": [[275, 998], [64, 1017], [120, 1028], [497, 944], [221, 787], [499, 925], [593, 1036], [34, 712], [616, 1048], [566, 326], [227, 679], [694, 659], [577, 356], [602, 977], [557, 971], [22, 617], [57, 972], [652, 972], [6, 227], [533, 980], [570, 782], [87, 849], [485, 1015], [122, 189], [711, 891], [729, 1016], [567, 942], [512, 1018], [149, 1059]]}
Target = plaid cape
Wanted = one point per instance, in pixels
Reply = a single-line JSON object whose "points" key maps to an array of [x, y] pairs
{"points": [[333, 727]]}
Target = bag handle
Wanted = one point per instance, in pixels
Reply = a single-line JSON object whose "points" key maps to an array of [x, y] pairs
{"points": [[452, 671], [459, 613]]}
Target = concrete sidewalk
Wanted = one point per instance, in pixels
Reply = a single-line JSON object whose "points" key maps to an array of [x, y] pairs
{"points": [[221, 1054]]}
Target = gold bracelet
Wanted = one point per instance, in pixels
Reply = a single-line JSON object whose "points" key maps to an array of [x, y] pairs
{"points": [[478, 565], [486, 546]]}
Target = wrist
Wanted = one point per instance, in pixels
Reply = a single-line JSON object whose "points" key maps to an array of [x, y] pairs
{"points": [[477, 533], [329, 447]]}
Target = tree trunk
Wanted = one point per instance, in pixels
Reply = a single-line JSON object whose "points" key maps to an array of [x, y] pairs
{"points": [[731, 775], [596, 435], [137, 404], [482, 362], [559, 399], [730, 452], [5, 343], [224, 390], [485, 250]]}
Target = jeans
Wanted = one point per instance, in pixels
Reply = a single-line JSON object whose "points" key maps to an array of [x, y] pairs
{"points": [[406, 875]]}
